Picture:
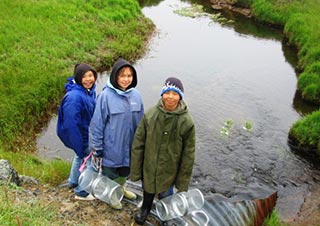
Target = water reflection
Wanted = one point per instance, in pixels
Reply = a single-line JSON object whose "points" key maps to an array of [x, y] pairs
{"points": [[235, 72], [149, 3]]}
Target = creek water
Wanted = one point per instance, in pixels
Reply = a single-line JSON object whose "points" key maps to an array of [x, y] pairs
{"points": [[233, 73]]}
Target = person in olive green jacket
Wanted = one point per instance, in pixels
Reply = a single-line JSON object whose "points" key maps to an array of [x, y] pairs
{"points": [[163, 149]]}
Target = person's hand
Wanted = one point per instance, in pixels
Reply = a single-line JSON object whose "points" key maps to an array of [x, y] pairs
{"points": [[96, 160]]}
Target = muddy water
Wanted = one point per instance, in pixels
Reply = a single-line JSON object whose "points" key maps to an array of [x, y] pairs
{"points": [[240, 73]]}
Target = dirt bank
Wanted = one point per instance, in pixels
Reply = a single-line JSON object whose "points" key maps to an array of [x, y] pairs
{"points": [[75, 212], [92, 213], [309, 214]]}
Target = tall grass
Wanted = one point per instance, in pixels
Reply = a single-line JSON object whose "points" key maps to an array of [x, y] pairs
{"points": [[40, 41]]}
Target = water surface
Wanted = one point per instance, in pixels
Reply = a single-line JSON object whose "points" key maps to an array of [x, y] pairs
{"points": [[238, 73]]}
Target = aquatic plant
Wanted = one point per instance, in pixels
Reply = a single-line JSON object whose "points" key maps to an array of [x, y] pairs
{"points": [[228, 123], [224, 131], [195, 11], [238, 178], [217, 17], [226, 128], [247, 126]]}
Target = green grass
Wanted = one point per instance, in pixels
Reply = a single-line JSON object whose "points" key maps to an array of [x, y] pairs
{"points": [[306, 131], [23, 211], [273, 220], [301, 25], [46, 171], [15, 211], [40, 41]]}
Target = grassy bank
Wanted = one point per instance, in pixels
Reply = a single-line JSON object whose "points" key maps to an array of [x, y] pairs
{"points": [[51, 172], [301, 23], [23, 212], [40, 41]]}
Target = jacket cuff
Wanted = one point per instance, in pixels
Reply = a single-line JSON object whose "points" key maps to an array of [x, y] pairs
{"points": [[97, 153]]}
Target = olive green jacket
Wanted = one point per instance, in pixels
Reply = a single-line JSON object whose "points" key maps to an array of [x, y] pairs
{"points": [[163, 149]]}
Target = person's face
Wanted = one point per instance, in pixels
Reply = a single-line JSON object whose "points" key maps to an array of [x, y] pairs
{"points": [[125, 77], [170, 100], [88, 80]]}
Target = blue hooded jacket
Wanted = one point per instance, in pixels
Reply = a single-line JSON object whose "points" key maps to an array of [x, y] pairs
{"points": [[74, 116], [115, 120]]}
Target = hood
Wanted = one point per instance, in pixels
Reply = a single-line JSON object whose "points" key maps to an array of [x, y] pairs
{"points": [[120, 63], [72, 85], [80, 70], [181, 108]]}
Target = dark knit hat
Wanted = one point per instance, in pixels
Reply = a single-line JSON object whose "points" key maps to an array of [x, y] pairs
{"points": [[173, 84], [80, 69]]}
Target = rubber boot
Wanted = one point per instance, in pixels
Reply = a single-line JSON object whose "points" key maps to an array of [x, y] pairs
{"points": [[142, 215], [119, 180], [117, 206], [128, 194]]}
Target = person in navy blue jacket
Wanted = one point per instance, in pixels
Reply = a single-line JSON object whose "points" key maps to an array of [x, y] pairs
{"points": [[74, 116]]}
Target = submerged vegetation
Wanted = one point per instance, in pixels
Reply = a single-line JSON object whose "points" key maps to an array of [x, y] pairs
{"points": [[226, 128], [195, 11]]}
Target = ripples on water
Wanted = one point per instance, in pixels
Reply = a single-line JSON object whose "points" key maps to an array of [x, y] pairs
{"points": [[227, 76]]}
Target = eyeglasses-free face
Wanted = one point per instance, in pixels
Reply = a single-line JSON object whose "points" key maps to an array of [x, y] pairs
{"points": [[170, 100], [88, 80], [125, 78]]}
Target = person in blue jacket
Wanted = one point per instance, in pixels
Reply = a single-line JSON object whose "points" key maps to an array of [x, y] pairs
{"points": [[118, 111], [74, 116]]}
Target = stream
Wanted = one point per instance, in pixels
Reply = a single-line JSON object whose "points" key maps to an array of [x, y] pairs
{"points": [[240, 86]]}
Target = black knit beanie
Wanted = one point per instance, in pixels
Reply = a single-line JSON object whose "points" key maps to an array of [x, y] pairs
{"points": [[80, 69]]}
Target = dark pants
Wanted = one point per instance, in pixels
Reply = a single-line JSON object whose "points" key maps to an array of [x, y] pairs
{"points": [[148, 197]]}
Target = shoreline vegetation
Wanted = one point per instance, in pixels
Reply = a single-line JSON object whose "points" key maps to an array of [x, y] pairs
{"points": [[301, 28], [41, 41]]}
